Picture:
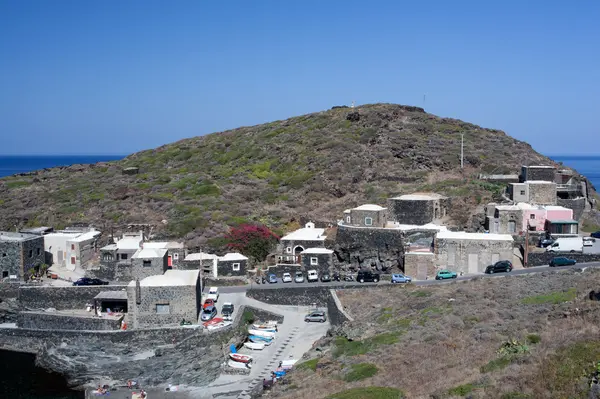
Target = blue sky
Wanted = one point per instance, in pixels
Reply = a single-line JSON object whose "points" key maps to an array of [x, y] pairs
{"points": [[80, 77]]}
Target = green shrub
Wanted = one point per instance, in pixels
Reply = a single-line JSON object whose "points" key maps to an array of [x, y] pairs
{"points": [[369, 393], [360, 371], [496, 364], [462, 390], [551, 298], [248, 317], [533, 339], [420, 294], [17, 184], [308, 365]]}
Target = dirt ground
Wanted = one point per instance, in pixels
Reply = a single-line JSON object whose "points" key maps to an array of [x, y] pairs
{"points": [[530, 336]]}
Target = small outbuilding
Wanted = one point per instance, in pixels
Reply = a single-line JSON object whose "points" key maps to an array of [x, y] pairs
{"points": [[367, 215], [417, 209], [232, 264], [319, 259]]}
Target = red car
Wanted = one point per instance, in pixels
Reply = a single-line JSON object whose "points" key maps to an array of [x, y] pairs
{"points": [[207, 303]]}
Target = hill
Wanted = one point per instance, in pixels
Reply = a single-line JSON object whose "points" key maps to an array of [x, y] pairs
{"points": [[308, 167]]}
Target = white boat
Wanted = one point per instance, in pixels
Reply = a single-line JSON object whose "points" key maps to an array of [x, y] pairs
{"points": [[238, 357], [264, 327], [239, 365], [261, 333], [288, 364], [261, 340], [258, 346], [216, 326]]}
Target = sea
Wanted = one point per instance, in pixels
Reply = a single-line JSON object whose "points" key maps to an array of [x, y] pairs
{"points": [[587, 165], [13, 164]]}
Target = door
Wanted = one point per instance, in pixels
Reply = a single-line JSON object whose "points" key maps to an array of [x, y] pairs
{"points": [[170, 261], [60, 257], [512, 226], [422, 272], [495, 258], [473, 263], [496, 227]]}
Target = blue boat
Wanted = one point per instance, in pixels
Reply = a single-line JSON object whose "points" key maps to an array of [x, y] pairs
{"points": [[256, 338]]}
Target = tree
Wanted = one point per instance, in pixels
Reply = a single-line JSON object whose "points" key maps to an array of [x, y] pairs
{"points": [[254, 241]]}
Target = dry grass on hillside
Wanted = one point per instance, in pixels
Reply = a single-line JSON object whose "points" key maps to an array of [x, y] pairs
{"points": [[444, 341]]}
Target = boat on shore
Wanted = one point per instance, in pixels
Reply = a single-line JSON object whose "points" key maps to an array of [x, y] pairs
{"points": [[261, 333], [258, 346], [265, 327], [238, 357], [264, 340], [239, 365]]}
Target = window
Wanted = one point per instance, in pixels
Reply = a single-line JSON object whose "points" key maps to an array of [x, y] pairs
{"points": [[522, 192], [163, 308], [314, 261], [72, 247], [72, 260], [288, 250], [147, 263], [4, 255], [236, 267], [123, 256], [38, 251], [107, 257], [532, 216], [31, 253], [4, 274], [176, 256], [348, 219], [368, 221]]}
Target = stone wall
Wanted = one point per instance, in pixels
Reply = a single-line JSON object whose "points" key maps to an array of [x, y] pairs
{"points": [[57, 321], [61, 298], [9, 290], [419, 265], [17, 257], [183, 304], [263, 316], [368, 248], [324, 263], [417, 212], [455, 254], [177, 256], [279, 269], [544, 258], [542, 193], [576, 204], [225, 268]]}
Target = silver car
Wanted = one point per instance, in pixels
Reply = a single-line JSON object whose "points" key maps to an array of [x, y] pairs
{"points": [[208, 313], [315, 316], [299, 278]]}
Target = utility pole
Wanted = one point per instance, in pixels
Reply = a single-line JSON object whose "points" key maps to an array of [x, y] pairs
{"points": [[462, 145]]}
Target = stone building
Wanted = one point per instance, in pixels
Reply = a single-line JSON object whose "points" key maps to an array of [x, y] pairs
{"points": [[203, 261], [232, 264], [175, 251], [71, 248], [20, 253], [319, 259], [149, 262], [471, 252], [292, 245], [538, 172], [123, 249], [417, 209], [367, 215], [506, 219], [164, 300], [419, 265], [542, 192]]}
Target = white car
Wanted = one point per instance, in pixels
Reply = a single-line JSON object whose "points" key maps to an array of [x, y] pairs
{"points": [[299, 278], [588, 241], [287, 278], [213, 293], [312, 276]]}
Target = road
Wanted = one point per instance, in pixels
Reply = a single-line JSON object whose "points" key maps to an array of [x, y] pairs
{"points": [[350, 284]]}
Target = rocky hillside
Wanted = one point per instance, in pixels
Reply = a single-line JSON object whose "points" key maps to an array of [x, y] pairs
{"points": [[312, 166]]}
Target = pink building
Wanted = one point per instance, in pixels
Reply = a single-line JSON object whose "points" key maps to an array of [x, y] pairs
{"points": [[558, 213], [534, 217]]}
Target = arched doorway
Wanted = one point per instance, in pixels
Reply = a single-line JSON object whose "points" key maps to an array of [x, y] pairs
{"points": [[297, 251]]}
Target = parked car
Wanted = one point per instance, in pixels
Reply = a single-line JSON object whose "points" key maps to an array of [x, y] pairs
{"points": [[227, 310], [208, 303], [365, 275], [501, 266], [445, 274], [544, 242], [312, 276], [315, 316], [272, 278], [90, 281], [325, 277], [595, 234], [287, 278], [588, 241], [562, 262], [299, 277], [208, 313], [213, 293], [400, 278]]}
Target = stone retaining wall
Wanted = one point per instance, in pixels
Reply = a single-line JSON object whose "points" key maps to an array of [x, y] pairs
{"points": [[544, 258], [261, 315], [57, 321], [9, 290], [61, 298]]}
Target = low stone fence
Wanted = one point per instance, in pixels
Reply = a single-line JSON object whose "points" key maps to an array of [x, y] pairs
{"points": [[544, 258], [263, 315], [9, 290], [61, 298], [61, 321]]}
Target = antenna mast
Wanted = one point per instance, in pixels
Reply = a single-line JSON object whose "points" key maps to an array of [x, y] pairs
{"points": [[462, 142]]}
